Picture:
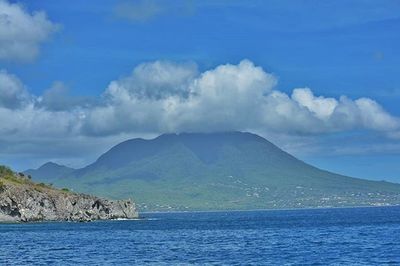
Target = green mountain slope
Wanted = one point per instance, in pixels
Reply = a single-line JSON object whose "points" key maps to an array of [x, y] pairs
{"points": [[50, 172], [231, 170]]}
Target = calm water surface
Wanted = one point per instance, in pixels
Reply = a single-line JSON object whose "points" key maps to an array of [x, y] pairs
{"points": [[358, 236]]}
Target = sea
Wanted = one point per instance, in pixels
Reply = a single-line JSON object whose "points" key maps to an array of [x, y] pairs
{"points": [[340, 236]]}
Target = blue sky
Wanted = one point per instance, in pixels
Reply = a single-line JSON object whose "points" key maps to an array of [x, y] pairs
{"points": [[334, 48]]}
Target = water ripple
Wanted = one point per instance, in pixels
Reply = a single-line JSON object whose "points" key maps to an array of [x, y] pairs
{"points": [[360, 236]]}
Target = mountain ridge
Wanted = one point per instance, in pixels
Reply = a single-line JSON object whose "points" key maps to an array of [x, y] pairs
{"points": [[224, 170], [51, 170]]}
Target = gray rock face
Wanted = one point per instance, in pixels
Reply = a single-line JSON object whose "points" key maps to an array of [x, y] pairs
{"points": [[26, 203]]}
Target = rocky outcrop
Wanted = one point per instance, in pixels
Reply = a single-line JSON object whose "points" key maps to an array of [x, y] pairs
{"points": [[26, 201]]}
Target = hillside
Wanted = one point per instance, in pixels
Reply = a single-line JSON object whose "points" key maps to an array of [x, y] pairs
{"points": [[22, 200], [50, 171], [231, 170]]}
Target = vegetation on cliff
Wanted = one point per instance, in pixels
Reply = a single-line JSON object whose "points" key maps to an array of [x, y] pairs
{"points": [[22, 200]]}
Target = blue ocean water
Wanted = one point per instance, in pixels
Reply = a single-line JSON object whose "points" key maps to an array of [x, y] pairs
{"points": [[356, 236]]}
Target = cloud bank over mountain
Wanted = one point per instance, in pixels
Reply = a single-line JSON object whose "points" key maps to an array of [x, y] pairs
{"points": [[161, 96], [166, 96]]}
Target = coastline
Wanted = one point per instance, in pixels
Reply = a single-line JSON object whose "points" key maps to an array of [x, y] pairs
{"points": [[142, 215], [282, 209]]}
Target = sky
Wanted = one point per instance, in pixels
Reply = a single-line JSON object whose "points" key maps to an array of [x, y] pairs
{"points": [[318, 78]]}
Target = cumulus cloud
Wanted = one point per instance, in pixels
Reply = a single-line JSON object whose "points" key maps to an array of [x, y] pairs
{"points": [[213, 100], [373, 116], [159, 97], [228, 97], [320, 106], [23, 117], [13, 93], [31, 122], [21, 33], [58, 98], [156, 80], [345, 113]]}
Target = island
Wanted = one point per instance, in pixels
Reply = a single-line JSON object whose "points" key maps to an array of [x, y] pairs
{"points": [[214, 171], [22, 200]]}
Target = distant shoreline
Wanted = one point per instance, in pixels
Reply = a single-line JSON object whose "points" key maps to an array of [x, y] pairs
{"points": [[283, 209], [142, 216]]}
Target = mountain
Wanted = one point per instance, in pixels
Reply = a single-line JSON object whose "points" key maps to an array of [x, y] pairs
{"points": [[230, 170], [22, 200], [50, 171]]}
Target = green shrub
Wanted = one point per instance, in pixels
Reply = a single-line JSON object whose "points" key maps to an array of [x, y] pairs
{"points": [[2, 186], [5, 171], [65, 189], [13, 179]]}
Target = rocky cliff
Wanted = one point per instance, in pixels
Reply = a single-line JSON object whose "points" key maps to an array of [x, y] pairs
{"points": [[23, 201]]}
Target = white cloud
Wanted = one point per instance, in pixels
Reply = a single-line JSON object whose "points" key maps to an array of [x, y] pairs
{"points": [[374, 117], [283, 114], [13, 93], [156, 80], [228, 97], [30, 122], [23, 117], [224, 98], [163, 97], [58, 98], [320, 106], [21, 33]]}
